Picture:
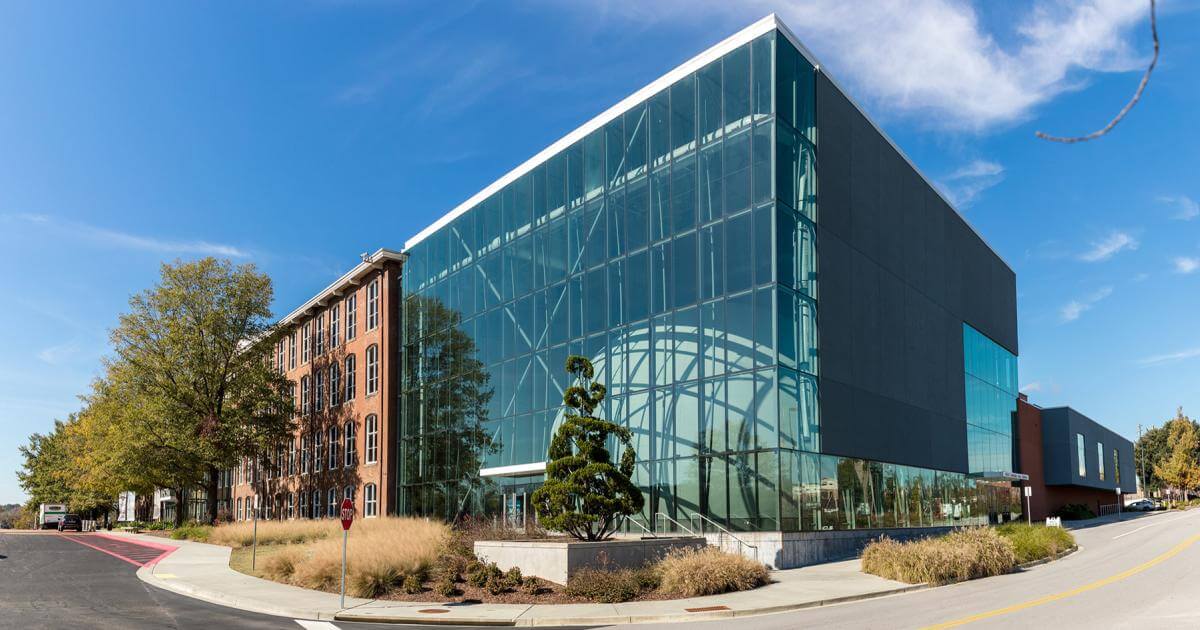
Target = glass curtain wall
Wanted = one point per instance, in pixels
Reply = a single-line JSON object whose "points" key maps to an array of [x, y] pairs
{"points": [[991, 396], [676, 248]]}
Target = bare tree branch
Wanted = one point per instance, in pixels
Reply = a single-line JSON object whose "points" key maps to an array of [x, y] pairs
{"points": [[1128, 106]]}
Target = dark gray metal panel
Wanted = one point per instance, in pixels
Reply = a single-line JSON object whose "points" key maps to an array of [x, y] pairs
{"points": [[935, 249], [835, 307], [1062, 462], [866, 337], [892, 333], [891, 209], [865, 221], [914, 251], [833, 163], [900, 273]]}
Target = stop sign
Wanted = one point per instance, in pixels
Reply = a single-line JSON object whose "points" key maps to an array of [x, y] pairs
{"points": [[347, 513]]}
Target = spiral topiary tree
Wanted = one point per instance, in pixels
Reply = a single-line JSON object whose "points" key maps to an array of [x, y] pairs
{"points": [[585, 495]]}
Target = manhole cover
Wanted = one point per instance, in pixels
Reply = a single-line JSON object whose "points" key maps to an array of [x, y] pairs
{"points": [[435, 611], [707, 608]]}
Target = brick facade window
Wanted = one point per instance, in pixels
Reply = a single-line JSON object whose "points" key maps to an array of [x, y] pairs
{"points": [[373, 304], [351, 316], [372, 369], [372, 439]]}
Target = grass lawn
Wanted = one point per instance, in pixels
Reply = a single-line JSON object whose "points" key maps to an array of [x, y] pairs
{"points": [[239, 560]]}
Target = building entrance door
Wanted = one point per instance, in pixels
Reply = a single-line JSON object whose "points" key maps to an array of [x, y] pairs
{"points": [[514, 510]]}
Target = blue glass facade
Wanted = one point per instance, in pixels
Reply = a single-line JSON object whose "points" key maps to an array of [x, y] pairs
{"points": [[991, 389], [675, 246]]}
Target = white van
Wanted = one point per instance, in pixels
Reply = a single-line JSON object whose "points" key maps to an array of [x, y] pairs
{"points": [[50, 514]]}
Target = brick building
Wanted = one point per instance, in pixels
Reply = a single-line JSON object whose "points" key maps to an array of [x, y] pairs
{"points": [[338, 349]]}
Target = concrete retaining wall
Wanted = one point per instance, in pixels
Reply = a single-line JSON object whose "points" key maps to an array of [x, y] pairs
{"points": [[788, 550], [558, 560]]}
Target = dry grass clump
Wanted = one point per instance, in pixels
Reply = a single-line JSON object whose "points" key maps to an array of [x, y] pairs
{"points": [[612, 586], [281, 565], [708, 571], [965, 554], [274, 532], [382, 553]]}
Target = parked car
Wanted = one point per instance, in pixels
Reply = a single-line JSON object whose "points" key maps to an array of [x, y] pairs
{"points": [[1141, 505], [70, 521]]}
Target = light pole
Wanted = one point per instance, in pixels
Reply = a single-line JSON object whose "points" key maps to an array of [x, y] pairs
{"points": [[1142, 462]]}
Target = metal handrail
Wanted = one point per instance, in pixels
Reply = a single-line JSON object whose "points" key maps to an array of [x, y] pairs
{"points": [[643, 527], [680, 525], [704, 518]]}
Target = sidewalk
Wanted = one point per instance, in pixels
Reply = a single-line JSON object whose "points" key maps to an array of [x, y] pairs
{"points": [[202, 571]]}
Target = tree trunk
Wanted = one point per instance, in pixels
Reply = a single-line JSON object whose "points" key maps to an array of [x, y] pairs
{"points": [[179, 507], [212, 487]]}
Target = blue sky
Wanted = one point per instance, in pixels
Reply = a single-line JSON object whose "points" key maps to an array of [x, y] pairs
{"points": [[296, 135]]}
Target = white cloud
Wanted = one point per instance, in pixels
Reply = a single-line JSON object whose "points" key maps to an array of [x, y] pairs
{"points": [[126, 240], [1072, 310], [965, 185], [1109, 246], [920, 57], [1188, 208], [1030, 388], [1186, 264], [1170, 357]]}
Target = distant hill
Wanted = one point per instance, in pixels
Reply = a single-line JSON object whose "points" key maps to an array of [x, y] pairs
{"points": [[9, 514]]}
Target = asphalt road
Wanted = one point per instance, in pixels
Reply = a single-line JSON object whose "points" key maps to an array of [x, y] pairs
{"points": [[48, 581], [1142, 573]]}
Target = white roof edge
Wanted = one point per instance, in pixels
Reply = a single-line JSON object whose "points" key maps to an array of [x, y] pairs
{"points": [[369, 261], [764, 25]]}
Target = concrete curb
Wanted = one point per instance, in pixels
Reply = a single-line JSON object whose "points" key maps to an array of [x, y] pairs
{"points": [[623, 619]]}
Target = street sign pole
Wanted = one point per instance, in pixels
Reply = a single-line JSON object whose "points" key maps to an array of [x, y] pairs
{"points": [[347, 520], [254, 549], [1120, 501], [1028, 505]]}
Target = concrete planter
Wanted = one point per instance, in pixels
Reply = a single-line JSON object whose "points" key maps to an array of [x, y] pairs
{"points": [[557, 561]]}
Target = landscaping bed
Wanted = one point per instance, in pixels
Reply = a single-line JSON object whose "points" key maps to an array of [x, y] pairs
{"points": [[965, 554], [410, 559]]}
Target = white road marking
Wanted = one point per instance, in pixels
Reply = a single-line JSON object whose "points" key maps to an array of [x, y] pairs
{"points": [[315, 625], [1150, 525]]}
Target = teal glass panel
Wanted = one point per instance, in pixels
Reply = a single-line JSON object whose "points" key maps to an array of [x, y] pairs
{"points": [[711, 184], [736, 88], [684, 279], [709, 102], [637, 213], [683, 194], [660, 129], [593, 164], [762, 93], [614, 153], [736, 184], [762, 163], [739, 273], [636, 137], [712, 260], [683, 115]]}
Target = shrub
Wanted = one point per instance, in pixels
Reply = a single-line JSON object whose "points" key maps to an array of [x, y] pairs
{"points": [[496, 584], [199, 533], [1074, 512], [513, 577], [961, 555], [532, 585], [445, 587], [479, 574], [709, 571], [1034, 542], [158, 526], [584, 494], [610, 587], [412, 584]]}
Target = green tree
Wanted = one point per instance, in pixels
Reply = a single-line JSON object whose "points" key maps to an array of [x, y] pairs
{"points": [[585, 494], [198, 346], [1180, 471], [1153, 448], [46, 468]]}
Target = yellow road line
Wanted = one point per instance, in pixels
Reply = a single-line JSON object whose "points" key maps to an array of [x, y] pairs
{"points": [[1174, 551]]}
